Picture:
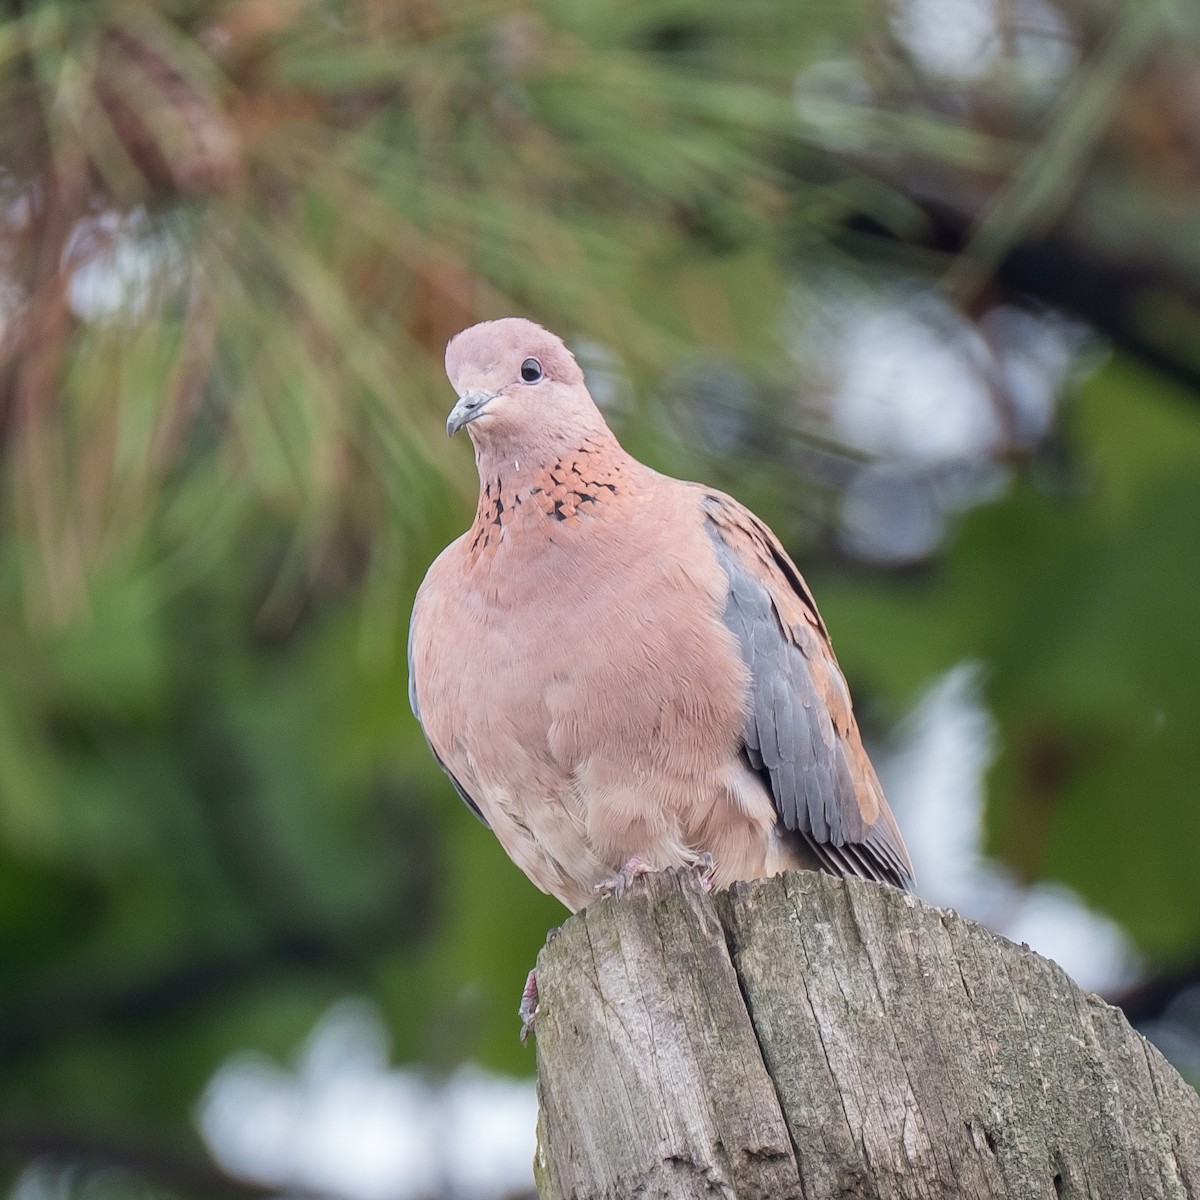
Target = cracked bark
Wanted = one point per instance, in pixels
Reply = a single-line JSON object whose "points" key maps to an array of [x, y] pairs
{"points": [[813, 1037]]}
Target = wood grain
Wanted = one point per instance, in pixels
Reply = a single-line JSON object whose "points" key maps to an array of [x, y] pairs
{"points": [[808, 1036]]}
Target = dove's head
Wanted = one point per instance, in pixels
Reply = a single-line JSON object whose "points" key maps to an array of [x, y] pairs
{"points": [[518, 388]]}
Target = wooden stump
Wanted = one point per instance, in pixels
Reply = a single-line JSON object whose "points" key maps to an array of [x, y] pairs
{"points": [[811, 1037]]}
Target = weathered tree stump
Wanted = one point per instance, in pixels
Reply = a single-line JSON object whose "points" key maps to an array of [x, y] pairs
{"points": [[811, 1037]]}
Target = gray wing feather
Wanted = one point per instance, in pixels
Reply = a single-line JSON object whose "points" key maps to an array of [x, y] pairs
{"points": [[790, 739]]}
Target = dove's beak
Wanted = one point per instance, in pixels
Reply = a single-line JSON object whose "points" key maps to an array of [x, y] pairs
{"points": [[469, 406]]}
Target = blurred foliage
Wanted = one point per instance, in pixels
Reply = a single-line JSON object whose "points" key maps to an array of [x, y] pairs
{"points": [[1077, 594], [234, 238]]}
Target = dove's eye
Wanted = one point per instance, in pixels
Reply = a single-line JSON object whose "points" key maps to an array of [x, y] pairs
{"points": [[531, 370]]}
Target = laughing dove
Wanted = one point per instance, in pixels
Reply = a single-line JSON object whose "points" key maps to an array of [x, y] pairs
{"points": [[621, 670]]}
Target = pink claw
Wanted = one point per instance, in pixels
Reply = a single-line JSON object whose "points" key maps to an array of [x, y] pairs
{"points": [[617, 885], [704, 868], [529, 1005]]}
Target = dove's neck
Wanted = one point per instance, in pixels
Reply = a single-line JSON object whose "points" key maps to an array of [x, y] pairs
{"points": [[579, 477], [518, 468]]}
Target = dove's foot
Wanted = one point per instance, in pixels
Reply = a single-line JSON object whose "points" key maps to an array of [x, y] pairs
{"points": [[527, 1010], [702, 869], [529, 1005], [617, 885]]}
